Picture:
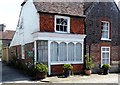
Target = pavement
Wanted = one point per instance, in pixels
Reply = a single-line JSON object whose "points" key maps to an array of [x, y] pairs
{"points": [[93, 78], [11, 75]]}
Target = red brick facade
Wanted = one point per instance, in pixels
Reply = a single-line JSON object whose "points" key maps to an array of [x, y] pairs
{"points": [[29, 58], [58, 69], [47, 24], [15, 51]]}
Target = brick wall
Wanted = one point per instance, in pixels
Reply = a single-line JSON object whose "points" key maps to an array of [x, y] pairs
{"points": [[94, 15], [29, 54], [58, 69], [47, 24], [15, 51]]}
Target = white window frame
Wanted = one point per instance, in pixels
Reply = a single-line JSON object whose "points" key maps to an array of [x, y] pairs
{"points": [[68, 62], [23, 51], [68, 26], [104, 52], [102, 38]]}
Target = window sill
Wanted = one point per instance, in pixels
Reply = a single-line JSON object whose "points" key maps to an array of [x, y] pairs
{"points": [[61, 32], [66, 62], [104, 39]]}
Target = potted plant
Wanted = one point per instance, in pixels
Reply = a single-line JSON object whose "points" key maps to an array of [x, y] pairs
{"points": [[67, 69], [40, 71], [89, 64], [105, 68]]}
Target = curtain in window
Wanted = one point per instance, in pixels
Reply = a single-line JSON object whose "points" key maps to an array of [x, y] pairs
{"points": [[78, 52], [42, 51], [70, 52], [54, 51], [105, 55], [63, 51]]}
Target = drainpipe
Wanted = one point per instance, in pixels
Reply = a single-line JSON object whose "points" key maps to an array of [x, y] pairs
{"points": [[35, 52]]}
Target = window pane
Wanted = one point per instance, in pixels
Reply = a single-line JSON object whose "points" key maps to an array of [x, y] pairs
{"points": [[42, 52], [54, 51], [105, 55], [65, 28], [61, 28], [103, 61], [58, 21], [78, 52], [105, 29], [57, 27], [70, 52], [64, 22], [63, 52]]}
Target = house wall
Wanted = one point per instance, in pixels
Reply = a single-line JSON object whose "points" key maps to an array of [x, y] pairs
{"points": [[58, 69], [30, 24], [94, 15], [47, 24], [16, 52]]}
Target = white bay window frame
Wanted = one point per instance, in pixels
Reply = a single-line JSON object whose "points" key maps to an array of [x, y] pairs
{"points": [[57, 37], [67, 61]]}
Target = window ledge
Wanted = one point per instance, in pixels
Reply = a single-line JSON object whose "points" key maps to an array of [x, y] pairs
{"points": [[61, 32], [66, 62], [106, 39]]}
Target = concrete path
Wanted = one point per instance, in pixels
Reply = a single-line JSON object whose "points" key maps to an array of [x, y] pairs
{"points": [[10, 74], [94, 78]]}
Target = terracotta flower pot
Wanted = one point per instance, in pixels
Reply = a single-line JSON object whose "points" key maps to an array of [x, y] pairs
{"points": [[88, 72]]}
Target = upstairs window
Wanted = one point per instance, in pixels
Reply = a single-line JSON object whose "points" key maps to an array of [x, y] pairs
{"points": [[105, 30], [62, 24]]}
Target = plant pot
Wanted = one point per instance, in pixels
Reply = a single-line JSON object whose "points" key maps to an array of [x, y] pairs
{"points": [[41, 75], [67, 73], [88, 72], [105, 71]]}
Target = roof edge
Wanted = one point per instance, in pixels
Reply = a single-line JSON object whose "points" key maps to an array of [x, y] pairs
{"points": [[82, 16]]}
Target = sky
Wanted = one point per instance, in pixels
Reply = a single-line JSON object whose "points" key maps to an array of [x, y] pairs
{"points": [[9, 13]]}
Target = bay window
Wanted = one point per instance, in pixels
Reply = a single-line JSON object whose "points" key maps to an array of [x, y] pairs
{"points": [[65, 52]]}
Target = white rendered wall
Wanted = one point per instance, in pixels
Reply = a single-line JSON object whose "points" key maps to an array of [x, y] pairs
{"points": [[30, 24]]}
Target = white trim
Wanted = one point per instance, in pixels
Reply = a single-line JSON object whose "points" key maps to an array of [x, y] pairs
{"points": [[106, 39], [23, 51], [49, 60], [105, 51], [64, 62], [82, 51], [68, 26], [35, 52], [69, 62], [58, 37]]}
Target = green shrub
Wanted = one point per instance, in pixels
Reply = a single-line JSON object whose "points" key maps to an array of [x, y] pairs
{"points": [[41, 68], [88, 62], [105, 66], [67, 67]]}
